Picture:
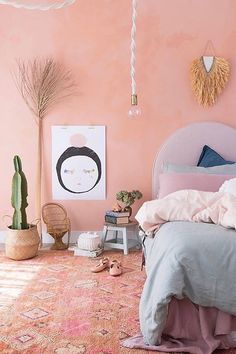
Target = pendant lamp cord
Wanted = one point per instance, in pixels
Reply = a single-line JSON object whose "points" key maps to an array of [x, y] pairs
{"points": [[133, 50]]}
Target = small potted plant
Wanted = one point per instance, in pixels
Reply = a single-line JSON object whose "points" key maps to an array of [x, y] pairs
{"points": [[22, 239], [128, 199]]}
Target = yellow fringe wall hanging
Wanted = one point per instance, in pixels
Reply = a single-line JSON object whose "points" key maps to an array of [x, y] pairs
{"points": [[209, 75]]}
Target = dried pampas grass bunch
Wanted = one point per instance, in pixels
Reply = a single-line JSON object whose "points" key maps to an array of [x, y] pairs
{"points": [[206, 85], [42, 83]]}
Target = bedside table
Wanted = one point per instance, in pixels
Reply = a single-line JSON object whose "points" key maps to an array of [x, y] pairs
{"points": [[123, 230]]}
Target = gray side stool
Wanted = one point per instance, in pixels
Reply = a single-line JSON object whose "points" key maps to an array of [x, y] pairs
{"points": [[124, 243]]}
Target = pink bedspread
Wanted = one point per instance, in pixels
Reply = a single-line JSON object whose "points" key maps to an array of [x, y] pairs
{"points": [[193, 329], [189, 205]]}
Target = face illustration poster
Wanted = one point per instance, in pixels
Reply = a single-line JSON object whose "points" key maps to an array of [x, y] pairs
{"points": [[78, 162]]}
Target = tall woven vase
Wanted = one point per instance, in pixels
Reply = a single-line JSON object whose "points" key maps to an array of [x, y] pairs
{"points": [[22, 244]]}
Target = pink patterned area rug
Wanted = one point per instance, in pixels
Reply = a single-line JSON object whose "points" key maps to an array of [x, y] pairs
{"points": [[54, 304]]}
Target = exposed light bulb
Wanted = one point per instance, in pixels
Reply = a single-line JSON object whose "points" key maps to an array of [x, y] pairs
{"points": [[134, 112]]}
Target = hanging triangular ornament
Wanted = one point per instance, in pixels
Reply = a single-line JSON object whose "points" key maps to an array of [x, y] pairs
{"points": [[208, 62], [209, 75]]}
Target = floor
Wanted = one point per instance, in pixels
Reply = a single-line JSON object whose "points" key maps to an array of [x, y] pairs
{"points": [[53, 303]]}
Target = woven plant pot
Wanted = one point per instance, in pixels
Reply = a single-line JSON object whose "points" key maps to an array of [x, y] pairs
{"points": [[22, 244]]}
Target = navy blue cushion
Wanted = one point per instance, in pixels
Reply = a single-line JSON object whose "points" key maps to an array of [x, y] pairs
{"points": [[210, 157]]}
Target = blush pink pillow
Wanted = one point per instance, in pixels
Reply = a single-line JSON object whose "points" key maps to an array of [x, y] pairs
{"points": [[172, 182]]}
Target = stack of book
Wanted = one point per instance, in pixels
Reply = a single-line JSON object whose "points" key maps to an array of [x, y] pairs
{"points": [[79, 252], [117, 217]]}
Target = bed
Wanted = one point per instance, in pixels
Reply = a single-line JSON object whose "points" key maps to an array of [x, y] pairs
{"points": [[189, 298]]}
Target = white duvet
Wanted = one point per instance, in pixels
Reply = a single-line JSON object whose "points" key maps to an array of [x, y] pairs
{"points": [[189, 205]]}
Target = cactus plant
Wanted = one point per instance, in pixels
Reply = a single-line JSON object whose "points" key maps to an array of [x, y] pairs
{"points": [[19, 197]]}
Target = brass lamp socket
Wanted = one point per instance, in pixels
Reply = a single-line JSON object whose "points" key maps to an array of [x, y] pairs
{"points": [[134, 100]]}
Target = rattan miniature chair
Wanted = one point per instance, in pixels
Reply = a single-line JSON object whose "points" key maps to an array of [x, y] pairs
{"points": [[58, 224]]}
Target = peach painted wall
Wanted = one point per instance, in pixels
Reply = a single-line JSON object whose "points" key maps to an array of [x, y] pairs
{"points": [[92, 38]]}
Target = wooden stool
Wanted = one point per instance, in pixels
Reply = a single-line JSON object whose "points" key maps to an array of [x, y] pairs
{"points": [[123, 229]]}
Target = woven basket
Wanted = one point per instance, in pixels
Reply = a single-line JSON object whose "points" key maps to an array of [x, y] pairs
{"points": [[22, 244], [88, 241]]}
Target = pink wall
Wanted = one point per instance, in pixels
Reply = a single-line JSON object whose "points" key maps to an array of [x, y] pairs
{"points": [[92, 38]]}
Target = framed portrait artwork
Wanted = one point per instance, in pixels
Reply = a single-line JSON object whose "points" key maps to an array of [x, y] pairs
{"points": [[78, 162]]}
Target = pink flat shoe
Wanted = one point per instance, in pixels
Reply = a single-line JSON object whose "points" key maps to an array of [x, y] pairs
{"points": [[115, 268], [104, 263]]}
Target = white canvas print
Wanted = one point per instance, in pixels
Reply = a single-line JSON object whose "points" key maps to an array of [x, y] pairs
{"points": [[78, 162]]}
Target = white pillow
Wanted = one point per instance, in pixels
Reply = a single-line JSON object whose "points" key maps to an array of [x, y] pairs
{"points": [[229, 187]]}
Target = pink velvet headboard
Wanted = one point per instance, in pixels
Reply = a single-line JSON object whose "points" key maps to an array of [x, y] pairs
{"points": [[185, 145]]}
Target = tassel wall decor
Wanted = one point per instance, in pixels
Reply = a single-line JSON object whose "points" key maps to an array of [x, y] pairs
{"points": [[209, 75]]}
